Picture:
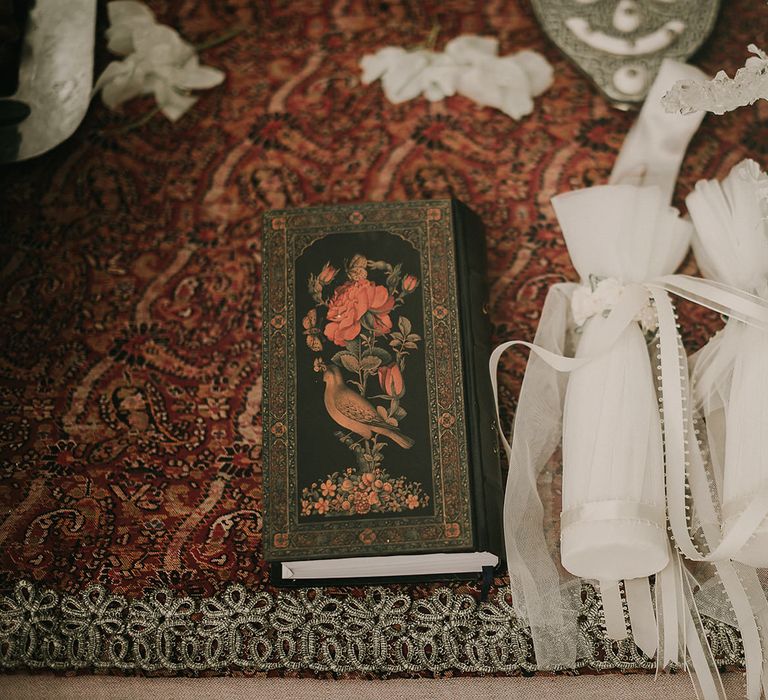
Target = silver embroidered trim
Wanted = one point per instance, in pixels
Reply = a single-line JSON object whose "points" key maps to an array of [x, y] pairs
{"points": [[383, 632]]}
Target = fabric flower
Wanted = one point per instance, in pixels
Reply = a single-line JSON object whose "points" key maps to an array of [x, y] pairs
{"points": [[508, 83], [126, 16], [607, 293], [350, 303], [603, 296], [583, 305], [469, 66], [648, 319], [731, 242], [157, 62]]}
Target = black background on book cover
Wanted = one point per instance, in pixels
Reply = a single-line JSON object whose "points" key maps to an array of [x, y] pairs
{"points": [[319, 452]]}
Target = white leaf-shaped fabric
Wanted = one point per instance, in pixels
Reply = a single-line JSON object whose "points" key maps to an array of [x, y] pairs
{"points": [[172, 103], [160, 45], [439, 78], [193, 76], [125, 16], [121, 81], [471, 49], [375, 65]]}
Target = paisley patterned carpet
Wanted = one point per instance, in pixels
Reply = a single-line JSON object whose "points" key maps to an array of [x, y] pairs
{"points": [[130, 388]]}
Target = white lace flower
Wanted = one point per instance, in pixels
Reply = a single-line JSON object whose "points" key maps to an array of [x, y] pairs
{"points": [[602, 295], [722, 94], [583, 305], [648, 319], [157, 61], [607, 293]]}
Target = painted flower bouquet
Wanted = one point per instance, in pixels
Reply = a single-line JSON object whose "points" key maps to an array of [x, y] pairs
{"points": [[353, 492], [358, 314]]}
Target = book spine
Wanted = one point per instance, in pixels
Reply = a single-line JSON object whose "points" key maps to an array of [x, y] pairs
{"points": [[485, 465]]}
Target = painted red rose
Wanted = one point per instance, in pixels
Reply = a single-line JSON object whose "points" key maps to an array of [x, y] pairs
{"points": [[353, 300]]}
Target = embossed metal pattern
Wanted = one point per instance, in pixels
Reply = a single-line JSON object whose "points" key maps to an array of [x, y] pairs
{"points": [[620, 44]]}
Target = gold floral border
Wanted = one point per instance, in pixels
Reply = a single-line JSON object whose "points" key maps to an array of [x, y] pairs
{"points": [[428, 227]]}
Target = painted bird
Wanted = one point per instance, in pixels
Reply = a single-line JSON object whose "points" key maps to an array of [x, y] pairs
{"points": [[354, 412]]}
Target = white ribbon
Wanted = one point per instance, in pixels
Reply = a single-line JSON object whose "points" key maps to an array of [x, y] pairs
{"points": [[684, 465], [675, 593], [624, 230]]}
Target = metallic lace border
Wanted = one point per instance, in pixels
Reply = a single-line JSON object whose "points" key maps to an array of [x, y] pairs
{"points": [[383, 632]]}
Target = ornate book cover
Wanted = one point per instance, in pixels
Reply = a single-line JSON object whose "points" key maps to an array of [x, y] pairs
{"points": [[378, 426]]}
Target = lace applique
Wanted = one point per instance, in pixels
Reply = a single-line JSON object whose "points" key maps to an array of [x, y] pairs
{"points": [[722, 94]]}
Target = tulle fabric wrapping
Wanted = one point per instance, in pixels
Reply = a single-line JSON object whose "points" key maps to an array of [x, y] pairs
{"points": [[612, 442], [550, 601], [624, 230], [730, 374]]}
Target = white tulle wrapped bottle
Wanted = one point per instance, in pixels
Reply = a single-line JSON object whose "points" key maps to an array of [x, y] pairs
{"points": [[613, 523], [730, 375]]}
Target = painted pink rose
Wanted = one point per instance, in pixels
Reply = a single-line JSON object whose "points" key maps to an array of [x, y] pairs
{"points": [[350, 302]]}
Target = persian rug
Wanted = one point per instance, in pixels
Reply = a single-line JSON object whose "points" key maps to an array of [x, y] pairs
{"points": [[130, 390]]}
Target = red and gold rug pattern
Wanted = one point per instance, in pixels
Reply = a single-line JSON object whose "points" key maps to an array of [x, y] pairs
{"points": [[130, 391]]}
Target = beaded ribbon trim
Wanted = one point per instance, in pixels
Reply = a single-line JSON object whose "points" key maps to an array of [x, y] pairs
{"points": [[384, 632]]}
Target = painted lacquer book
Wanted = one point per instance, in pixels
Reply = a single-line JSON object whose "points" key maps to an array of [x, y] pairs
{"points": [[380, 452]]}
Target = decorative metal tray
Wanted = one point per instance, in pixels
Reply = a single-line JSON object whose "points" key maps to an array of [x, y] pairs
{"points": [[620, 44]]}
